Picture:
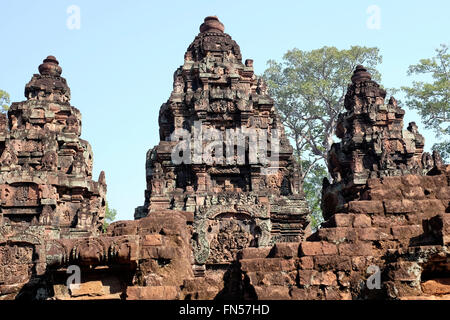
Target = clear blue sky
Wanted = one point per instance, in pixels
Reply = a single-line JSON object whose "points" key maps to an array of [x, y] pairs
{"points": [[120, 63]]}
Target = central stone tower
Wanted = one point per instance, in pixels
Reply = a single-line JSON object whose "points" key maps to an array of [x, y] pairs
{"points": [[235, 204]]}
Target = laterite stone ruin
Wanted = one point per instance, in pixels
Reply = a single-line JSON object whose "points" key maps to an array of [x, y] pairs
{"points": [[211, 228]]}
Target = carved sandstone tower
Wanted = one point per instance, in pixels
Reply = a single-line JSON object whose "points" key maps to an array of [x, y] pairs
{"points": [[235, 204], [46, 188], [387, 212], [374, 144], [45, 168]]}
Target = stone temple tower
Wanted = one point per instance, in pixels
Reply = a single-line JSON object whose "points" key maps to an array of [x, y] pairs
{"points": [[235, 204], [373, 145], [45, 168]]}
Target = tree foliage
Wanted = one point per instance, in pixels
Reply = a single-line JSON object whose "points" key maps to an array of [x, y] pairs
{"points": [[110, 216], [309, 88], [4, 101], [432, 99], [312, 186]]}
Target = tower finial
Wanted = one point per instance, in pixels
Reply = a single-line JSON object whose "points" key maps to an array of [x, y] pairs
{"points": [[50, 66], [360, 74], [212, 23]]}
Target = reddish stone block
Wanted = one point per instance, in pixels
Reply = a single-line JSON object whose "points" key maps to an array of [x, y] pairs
{"points": [[343, 279], [430, 206], [311, 293], [251, 253], [440, 181], [287, 265], [438, 286], [332, 294], [366, 234], [372, 234], [152, 293], [355, 249], [308, 248], [251, 265], [359, 262], [277, 278], [345, 295], [337, 234], [308, 277], [431, 182], [272, 292], [317, 248], [406, 232], [392, 182], [152, 240], [337, 262], [405, 271], [167, 252], [306, 262], [329, 248], [401, 289], [120, 228], [253, 277], [400, 206], [381, 221], [366, 206], [443, 193], [267, 264], [382, 193], [373, 182], [362, 221], [411, 180], [342, 220], [446, 204], [188, 215], [328, 278], [286, 250], [148, 253], [414, 193]]}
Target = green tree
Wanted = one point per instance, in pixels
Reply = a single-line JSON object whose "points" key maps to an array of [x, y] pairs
{"points": [[4, 101], [309, 88], [312, 186], [432, 100], [110, 216]]}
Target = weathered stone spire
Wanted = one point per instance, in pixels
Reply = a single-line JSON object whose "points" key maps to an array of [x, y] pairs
{"points": [[242, 202], [212, 24], [48, 84], [360, 74], [212, 41], [45, 168], [373, 143], [50, 66]]}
